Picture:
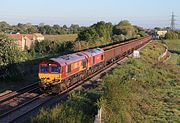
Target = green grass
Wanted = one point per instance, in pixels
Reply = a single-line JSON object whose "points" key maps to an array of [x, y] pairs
{"points": [[68, 37], [79, 108], [173, 44], [142, 90], [175, 59]]}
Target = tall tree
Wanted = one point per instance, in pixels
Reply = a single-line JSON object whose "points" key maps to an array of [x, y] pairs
{"points": [[125, 28], [97, 32], [9, 52]]}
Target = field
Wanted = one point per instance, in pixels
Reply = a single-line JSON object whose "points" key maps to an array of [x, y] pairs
{"points": [[141, 90], [68, 37], [173, 44]]}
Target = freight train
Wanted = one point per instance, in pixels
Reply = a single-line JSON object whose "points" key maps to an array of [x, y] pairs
{"points": [[58, 74]]}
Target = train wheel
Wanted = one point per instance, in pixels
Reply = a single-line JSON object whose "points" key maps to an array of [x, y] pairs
{"points": [[55, 89], [62, 87], [68, 84]]}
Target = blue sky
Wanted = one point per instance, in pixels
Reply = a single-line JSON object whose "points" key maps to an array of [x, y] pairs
{"points": [[146, 13]]}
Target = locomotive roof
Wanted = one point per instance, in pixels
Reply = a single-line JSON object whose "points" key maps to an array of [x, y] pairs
{"points": [[70, 58], [93, 52]]}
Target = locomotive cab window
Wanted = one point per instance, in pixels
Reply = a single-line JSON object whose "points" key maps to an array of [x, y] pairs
{"points": [[44, 69], [84, 64], [69, 68], [55, 69], [93, 60], [102, 57]]}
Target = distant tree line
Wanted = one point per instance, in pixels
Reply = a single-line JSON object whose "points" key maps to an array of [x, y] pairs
{"points": [[107, 32], [41, 28]]}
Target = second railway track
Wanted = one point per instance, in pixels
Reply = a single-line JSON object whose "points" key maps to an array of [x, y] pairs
{"points": [[13, 94]]}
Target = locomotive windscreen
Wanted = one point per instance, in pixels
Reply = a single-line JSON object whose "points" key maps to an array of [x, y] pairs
{"points": [[55, 69], [44, 69]]}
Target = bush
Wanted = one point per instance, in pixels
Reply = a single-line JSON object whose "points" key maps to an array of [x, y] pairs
{"points": [[79, 108], [118, 38], [9, 51], [52, 47], [171, 35]]}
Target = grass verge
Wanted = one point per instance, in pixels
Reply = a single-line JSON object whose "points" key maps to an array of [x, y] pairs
{"points": [[142, 90]]}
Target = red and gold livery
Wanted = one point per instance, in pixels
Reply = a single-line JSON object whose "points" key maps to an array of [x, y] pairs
{"points": [[65, 69]]}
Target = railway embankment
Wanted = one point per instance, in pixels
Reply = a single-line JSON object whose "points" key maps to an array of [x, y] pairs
{"points": [[140, 90]]}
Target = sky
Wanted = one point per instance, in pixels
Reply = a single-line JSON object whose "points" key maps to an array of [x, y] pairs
{"points": [[145, 13]]}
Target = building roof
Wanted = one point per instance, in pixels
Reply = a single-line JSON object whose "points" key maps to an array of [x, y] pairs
{"points": [[38, 35], [30, 36], [16, 36]]}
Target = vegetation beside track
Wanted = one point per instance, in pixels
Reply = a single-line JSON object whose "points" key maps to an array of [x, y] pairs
{"points": [[174, 48], [173, 44], [79, 108], [141, 90]]}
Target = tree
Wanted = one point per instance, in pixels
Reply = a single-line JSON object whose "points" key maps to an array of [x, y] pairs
{"points": [[56, 26], [117, 38], [65, 27], [104, 30], [88, 34], [100, 31], [4, 26], [74, 28], [9, 52], [126, 29], [157, 28], [171, 35]]}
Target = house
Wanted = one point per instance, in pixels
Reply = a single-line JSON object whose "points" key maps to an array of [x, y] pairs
{"points": [[38, 37], [162, 33], [24, 41], [20, 40]]}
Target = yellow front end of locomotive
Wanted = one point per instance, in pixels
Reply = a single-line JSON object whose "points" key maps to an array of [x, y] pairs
{"points": [[49, 78]]}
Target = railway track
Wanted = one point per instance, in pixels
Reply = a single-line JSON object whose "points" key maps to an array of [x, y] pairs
{"points": [[12, 99], [33, 105], [12, 94]]}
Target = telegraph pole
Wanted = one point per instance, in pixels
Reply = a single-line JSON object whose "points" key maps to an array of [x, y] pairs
{"points": [[172, 21]]}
